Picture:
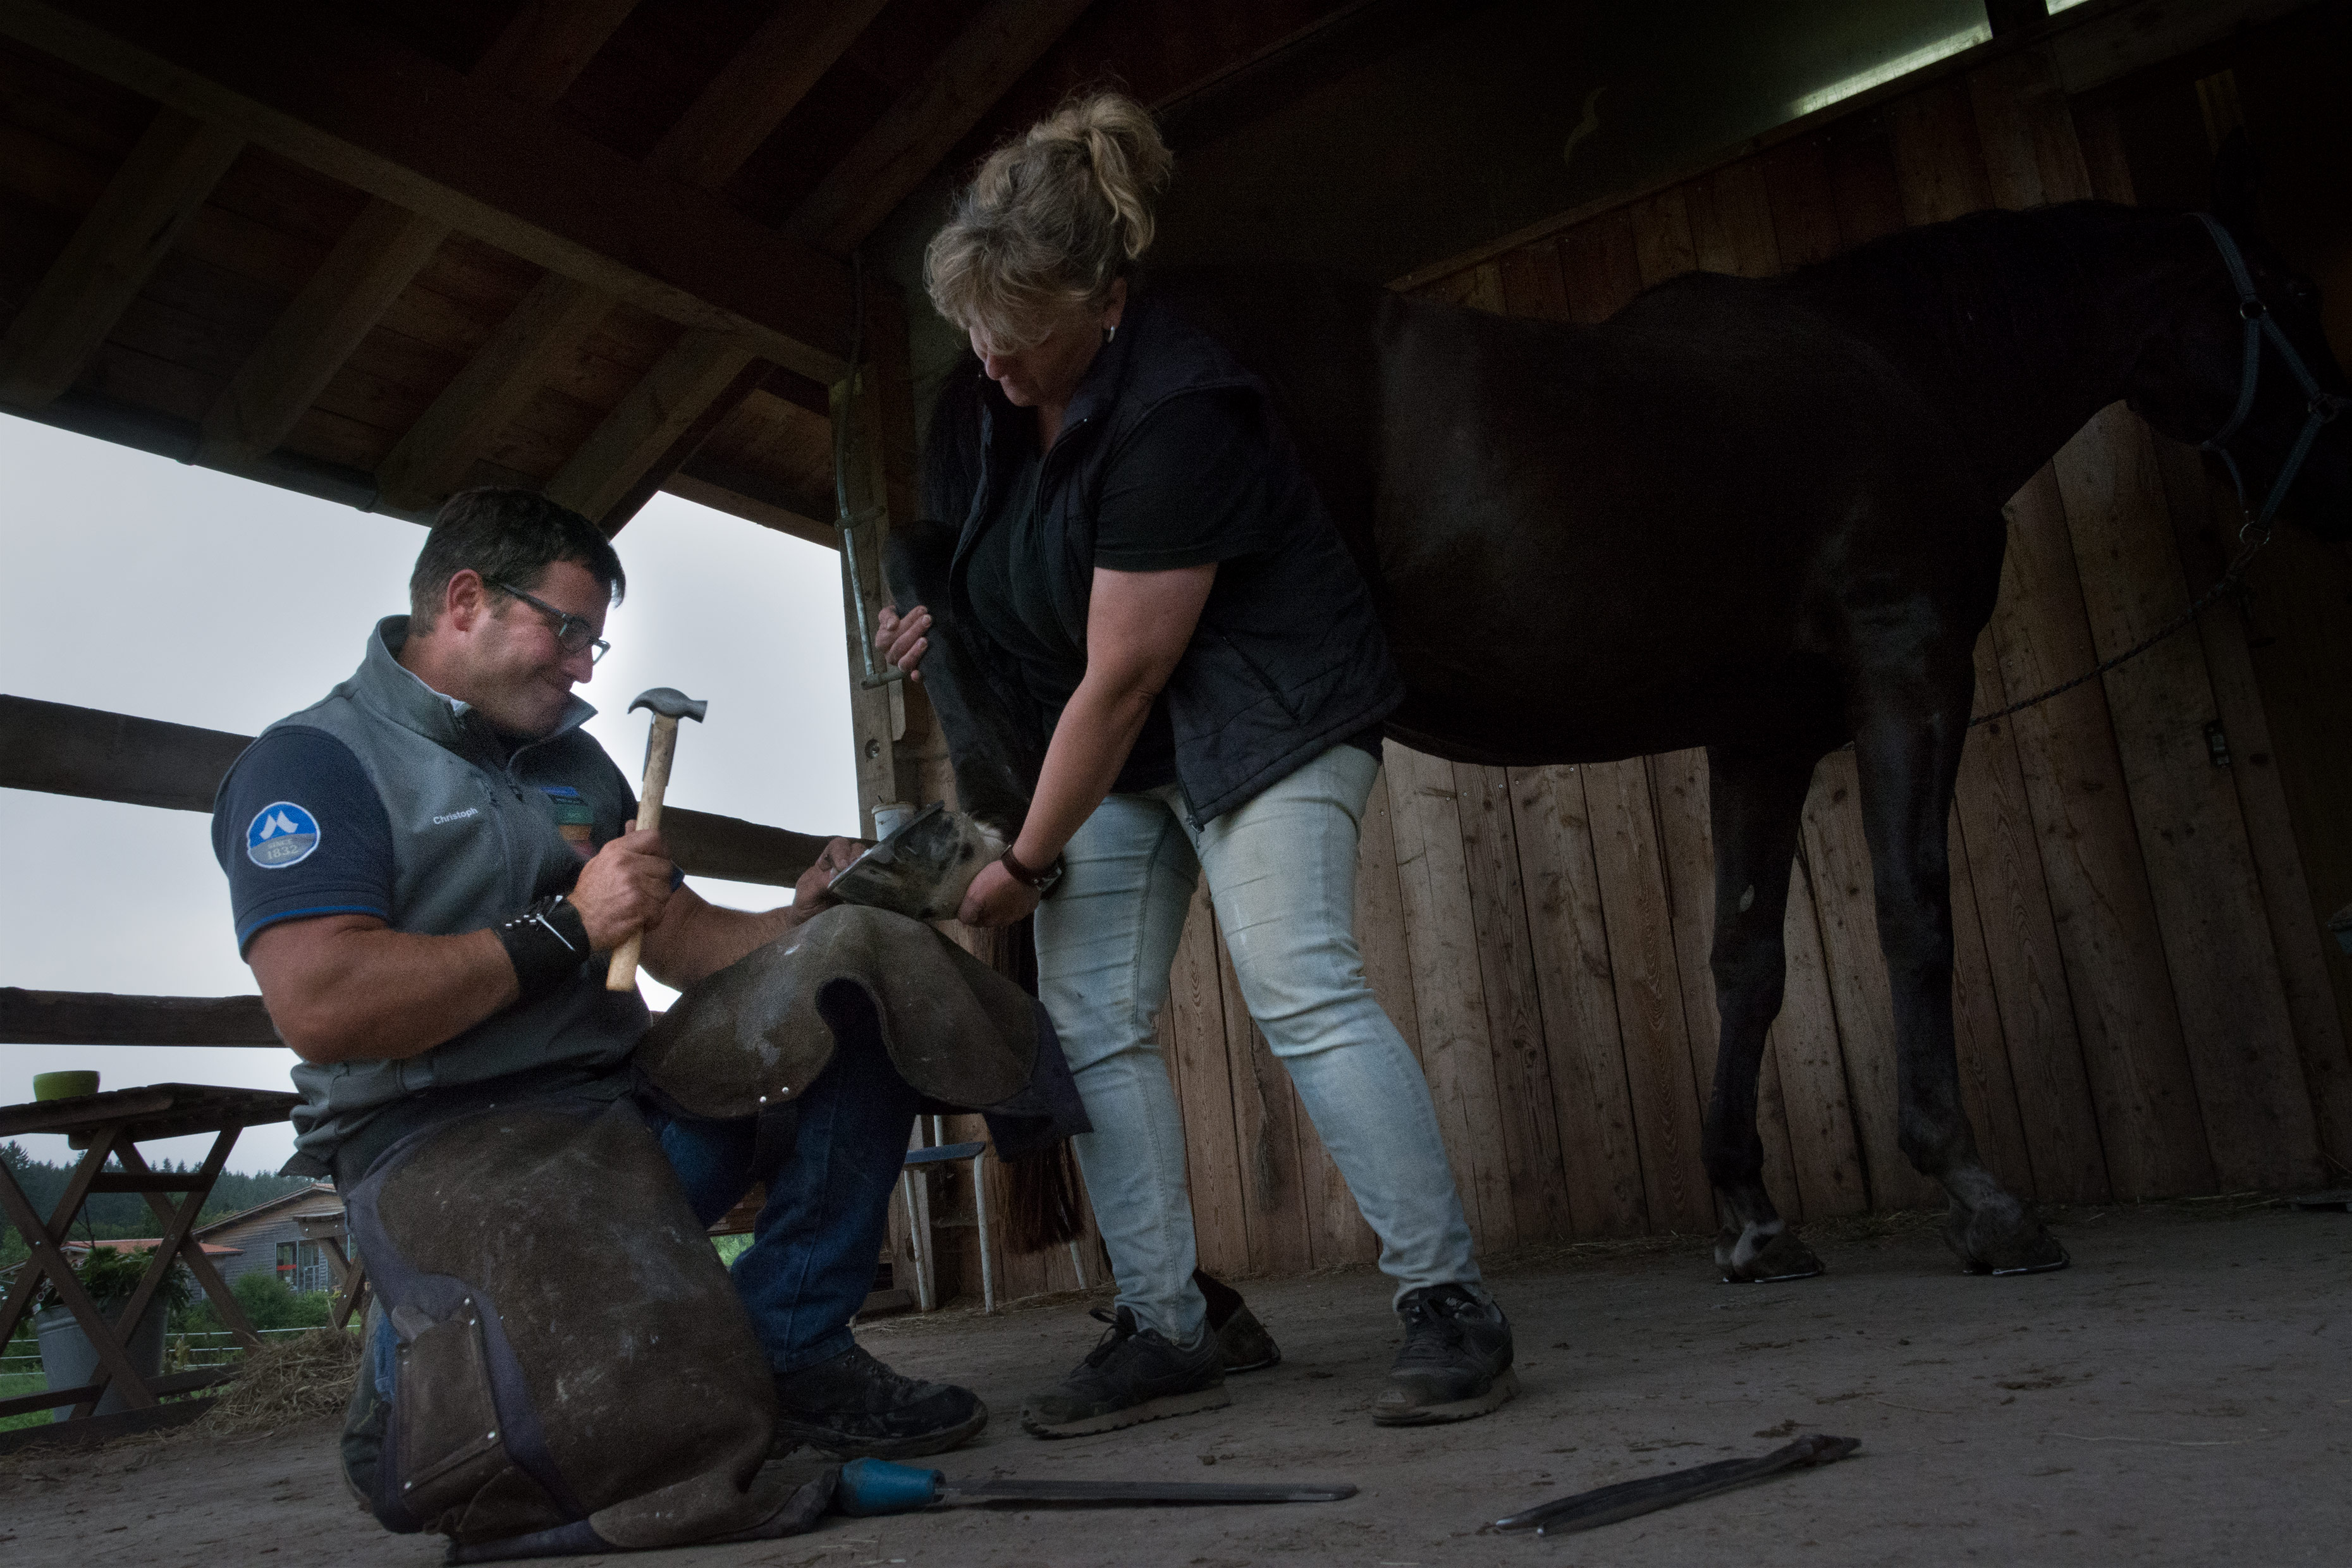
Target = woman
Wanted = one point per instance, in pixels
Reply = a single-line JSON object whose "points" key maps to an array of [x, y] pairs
{"points": [[1147, 554]]}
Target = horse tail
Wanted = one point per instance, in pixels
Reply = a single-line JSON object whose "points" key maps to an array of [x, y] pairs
{"points": [[992, 743], [950, 461]]}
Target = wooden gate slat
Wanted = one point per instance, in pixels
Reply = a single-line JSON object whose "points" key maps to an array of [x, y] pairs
{"points": [[1864, 183], [1634, 904], [1663, 246], [1532, 285], [1447, 988], [1514, 1012], [1591, 1099], [2192, 835], [2150, 1124], [2022, 950], [2206, 518], [1192, 1034]]}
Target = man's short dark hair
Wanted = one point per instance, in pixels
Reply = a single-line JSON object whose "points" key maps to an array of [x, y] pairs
{"points": [[508, 536]]}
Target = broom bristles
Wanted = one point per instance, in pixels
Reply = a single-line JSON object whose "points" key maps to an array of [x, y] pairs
{"points": [[1041, 1199]]}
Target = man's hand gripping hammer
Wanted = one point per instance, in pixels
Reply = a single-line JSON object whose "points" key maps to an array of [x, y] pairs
{"points": [[669, 705]]}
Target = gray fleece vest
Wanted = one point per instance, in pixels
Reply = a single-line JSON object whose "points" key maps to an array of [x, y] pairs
{"points": [[474, 841]]}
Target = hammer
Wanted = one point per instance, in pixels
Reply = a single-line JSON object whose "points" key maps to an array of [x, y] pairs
{"points": [[669, 705]]}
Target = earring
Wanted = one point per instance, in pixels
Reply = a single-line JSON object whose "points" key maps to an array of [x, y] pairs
{"points": [[1110, 331]]}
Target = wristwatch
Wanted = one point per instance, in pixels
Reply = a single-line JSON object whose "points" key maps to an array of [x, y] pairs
{"points": [[1042, 881]]}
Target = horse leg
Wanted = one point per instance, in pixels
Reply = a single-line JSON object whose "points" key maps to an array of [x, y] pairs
{"points": [[1907, 746], [1755, 799]]}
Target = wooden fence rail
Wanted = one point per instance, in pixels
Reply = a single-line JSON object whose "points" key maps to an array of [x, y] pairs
{"points": [[59, 749]]}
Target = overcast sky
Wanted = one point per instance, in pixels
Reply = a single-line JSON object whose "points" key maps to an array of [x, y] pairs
{"points": [[138, 585]]}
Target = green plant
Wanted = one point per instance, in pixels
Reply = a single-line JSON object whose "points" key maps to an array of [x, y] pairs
{"points": [[111, 1274], [267, 1304]]}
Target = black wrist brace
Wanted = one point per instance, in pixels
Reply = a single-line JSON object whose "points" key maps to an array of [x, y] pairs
{"points": [[547, 944]]}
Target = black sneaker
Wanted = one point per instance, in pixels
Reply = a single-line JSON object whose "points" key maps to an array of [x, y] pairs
{"points": [[1134, 1375], [1456, 1364], [1242, 1340], [853, 1404]]}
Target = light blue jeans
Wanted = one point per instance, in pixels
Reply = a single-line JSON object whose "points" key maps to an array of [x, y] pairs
{"points": [[1282, 875]]}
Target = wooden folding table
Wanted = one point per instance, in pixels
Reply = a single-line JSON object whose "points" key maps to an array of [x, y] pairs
{"points": [[113, 1124]]}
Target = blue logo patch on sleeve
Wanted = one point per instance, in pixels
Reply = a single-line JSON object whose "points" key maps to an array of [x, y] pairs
{"points": [[281, 835]]}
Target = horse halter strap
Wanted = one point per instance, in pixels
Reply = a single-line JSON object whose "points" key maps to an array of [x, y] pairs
{"points": [[2260, 324]]}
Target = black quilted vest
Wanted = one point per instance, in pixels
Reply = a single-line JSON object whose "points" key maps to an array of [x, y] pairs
{"points": [[1289, 658]]}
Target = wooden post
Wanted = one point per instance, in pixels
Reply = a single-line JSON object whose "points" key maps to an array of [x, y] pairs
{"points": [[877, 479]]}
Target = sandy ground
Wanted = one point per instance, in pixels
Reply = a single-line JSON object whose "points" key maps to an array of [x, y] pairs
{"points": [[2182, 1394]]}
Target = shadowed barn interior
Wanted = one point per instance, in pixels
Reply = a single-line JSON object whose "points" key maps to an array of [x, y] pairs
{"points": [[379, 252]]}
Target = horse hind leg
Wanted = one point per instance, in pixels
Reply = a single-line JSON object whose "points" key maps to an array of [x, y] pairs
{"points": [[1755, 798], [1907, 746]]}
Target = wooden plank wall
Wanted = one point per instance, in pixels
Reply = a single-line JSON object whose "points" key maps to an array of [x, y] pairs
{"points": [[2142, 1007], [2142, 1003]]}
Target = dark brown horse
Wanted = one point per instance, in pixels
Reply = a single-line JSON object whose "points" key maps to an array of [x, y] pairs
{"points": [[1760, 516]]}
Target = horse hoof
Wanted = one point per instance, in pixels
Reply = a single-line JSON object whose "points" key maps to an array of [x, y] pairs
{"points": [[1782, 1257], [922, 870], [2021, 1247]]}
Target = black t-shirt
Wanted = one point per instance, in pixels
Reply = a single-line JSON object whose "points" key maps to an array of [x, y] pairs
{"points": [[1193, 487]]}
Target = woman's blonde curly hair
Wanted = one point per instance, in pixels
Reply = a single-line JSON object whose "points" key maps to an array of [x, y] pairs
{"points": [[1050, 222]]}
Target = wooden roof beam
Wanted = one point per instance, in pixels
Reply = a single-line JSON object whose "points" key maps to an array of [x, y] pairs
{"points": [[167, 176], [889, 161], [536, 60], [665, 416], [543, 51], [764, 81], [431, 459], [318, 88], [647, 423], [656, 475], [377, 258]]}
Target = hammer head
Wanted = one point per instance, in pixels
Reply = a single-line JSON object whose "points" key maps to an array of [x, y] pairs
{"points": [[669, 703]]}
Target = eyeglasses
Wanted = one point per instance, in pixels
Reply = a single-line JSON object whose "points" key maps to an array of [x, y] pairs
{"points": [[572, 633]]}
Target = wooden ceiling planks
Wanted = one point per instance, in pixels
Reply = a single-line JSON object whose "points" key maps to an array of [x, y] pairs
{"points": [[535, 59], [891, 159], [349, 102], [129, 230], [363, 288], [760, 86]]}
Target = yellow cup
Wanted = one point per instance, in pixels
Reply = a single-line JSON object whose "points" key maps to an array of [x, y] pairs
{"points": [[63, 1085]]}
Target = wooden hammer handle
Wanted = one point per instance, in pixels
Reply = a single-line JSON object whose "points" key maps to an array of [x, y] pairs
{"points": [[660, 746]]}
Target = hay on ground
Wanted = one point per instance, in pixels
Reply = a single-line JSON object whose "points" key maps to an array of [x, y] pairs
{"points": [[298, 1378]]}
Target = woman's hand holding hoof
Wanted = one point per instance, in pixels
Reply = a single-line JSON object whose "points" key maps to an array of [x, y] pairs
{"points": [[899, 639], [996, 899]]}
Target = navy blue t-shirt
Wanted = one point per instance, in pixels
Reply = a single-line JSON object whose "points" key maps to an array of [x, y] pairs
{"points": [[302, 833]]}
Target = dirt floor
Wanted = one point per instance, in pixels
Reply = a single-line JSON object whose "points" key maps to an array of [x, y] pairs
{"points": [[2182, 1394]]}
